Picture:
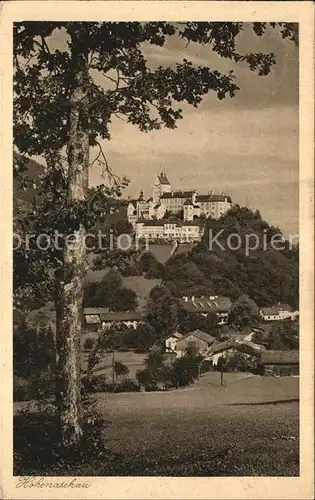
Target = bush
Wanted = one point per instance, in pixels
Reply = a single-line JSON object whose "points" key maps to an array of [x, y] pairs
{"points": [[97, 383], [88, 344], [141, 350], [127, 385], [38, 386], [37, 448]]}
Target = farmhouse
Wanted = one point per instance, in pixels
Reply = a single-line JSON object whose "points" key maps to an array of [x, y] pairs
{"points": [[232, 346], [171, 341], [281, 363], [205, 304], [278, 313], [102, 317], [202, 341], [178, 343]]}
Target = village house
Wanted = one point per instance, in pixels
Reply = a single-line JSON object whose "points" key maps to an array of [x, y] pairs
{"points": [[105, 319], [280, 363], [171, 341], [233, 346], [178, 343], [279, 312], [205, 304]]}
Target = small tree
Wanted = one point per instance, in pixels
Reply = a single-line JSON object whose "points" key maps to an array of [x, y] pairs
{"points": [[121, 369], [243, 313], [162, 311], [88, 344]]}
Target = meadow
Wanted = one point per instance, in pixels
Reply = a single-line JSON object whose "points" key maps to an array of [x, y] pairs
{"points": [[248, 427]]}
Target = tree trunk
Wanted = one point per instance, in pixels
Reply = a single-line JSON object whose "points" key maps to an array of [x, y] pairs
{"points": [[71, 283]]}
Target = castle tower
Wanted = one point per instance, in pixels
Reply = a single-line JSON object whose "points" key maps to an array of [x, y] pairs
{"points": [[161, 185]]}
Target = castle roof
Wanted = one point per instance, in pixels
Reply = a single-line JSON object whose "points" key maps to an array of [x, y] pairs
{"points": [[213, 198], [163, 179], [178, 194], [188, 202]]}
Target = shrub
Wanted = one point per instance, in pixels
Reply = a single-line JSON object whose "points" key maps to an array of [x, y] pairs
{"points": [[37, 448], [127, 385], [121, 369], [88, 344], [97, 383]]}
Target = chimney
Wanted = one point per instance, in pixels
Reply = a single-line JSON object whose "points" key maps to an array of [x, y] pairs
{"points": [[193, 298], [185, 298]]}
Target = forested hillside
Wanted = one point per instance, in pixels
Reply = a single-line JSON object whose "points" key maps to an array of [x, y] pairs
{"points": [[266, 275]]}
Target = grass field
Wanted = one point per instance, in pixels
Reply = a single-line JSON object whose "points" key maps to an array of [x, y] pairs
{"points": [[134, 361], [249, 427]]}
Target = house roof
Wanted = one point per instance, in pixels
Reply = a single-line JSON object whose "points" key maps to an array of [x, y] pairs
{"points": [[203, 336], [176, 335], [213, 198], [248, 347], [206, 337], [274, 310], [205, 304], [221, 346], [163, 222], [152, 222], [279, 357], [269, 311], [121, 316], [89, 311]]}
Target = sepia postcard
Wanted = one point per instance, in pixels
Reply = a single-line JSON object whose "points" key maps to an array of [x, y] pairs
{"points": [[157, 255]]}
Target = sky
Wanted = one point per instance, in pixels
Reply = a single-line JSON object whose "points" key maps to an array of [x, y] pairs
{"points": [[246, 146]]}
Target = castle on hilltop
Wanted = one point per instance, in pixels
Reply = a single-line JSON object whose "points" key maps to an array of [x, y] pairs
{"points": [[188, 205]]}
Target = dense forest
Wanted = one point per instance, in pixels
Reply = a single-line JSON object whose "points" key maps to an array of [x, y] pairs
{"points": [[266, 275]]}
